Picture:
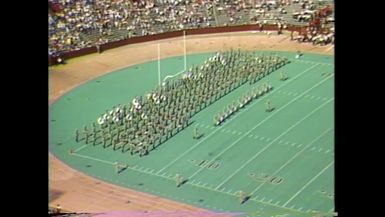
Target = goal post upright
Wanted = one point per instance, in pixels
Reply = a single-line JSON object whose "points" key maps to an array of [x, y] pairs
{"points": [[184, 60], [159, 80], [185, 52]]}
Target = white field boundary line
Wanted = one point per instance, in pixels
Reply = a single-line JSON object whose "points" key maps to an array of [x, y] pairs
{"points": [[318, 98], [80, 148], [235, 195], [62, 141], [309, 61], [295, 60], [198, 185], [218, 128], [307, 184], [259, 137], [135, 167], [171, 76], [92, 158], [295, 156], [259, 124], [267, 146]]}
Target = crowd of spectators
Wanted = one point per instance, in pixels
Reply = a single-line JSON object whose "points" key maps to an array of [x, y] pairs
{"points": [[76, 24]]}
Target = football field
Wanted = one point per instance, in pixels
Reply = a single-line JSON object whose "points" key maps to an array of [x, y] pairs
{"points": [[283, 159]]}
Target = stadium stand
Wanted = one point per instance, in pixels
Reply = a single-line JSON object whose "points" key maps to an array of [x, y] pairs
{"points": [[78, 24]]}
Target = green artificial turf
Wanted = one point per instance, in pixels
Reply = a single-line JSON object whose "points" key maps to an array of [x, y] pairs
{"points": [[292, 145]]}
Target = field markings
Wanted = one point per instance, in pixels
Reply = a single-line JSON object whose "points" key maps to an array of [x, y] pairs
{"points": [[309, 96], [308, 61], [294, 157], [252, 136], [144, 170], [247, 108], [308, 183], [198, 185], [92, 158], [80, 148], [135, 167], [260, 123], [236, 141], [272, 142]]}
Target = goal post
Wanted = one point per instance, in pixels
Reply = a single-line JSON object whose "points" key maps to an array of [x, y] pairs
{"points": [[184, 62]]}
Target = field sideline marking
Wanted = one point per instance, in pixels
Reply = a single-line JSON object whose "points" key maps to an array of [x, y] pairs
{"points": [[295, 195], [292, 158], [92, 158], [312, 96], [236, 141], [196, 185], [267, 146], [308, 61], [80, 148], [208, 136]]}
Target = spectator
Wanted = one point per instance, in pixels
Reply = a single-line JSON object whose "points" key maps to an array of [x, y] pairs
{"points": [[58, 208], [78, 23]]}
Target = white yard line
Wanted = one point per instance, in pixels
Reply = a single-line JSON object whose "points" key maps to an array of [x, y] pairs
{"points": [[260, 123], [92, 158], [80, 148], [282, 134], [307, 184], [295, 156], [213, 132], [308, 61]]}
